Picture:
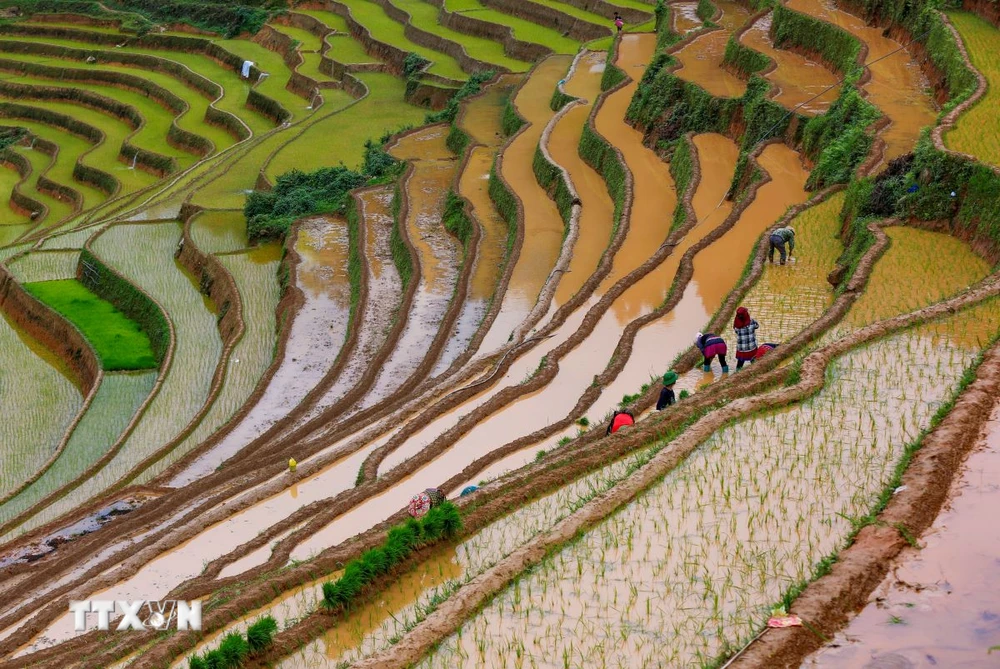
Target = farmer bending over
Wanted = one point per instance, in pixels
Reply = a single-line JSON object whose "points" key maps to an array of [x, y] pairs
{"points": [[710, 346], [619, 420], [779, 238]]}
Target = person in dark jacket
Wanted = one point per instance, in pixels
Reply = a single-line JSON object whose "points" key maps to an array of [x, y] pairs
{"points": [[710, 346], [619, 420], [667, 397], [746, 337], [779, 238]]}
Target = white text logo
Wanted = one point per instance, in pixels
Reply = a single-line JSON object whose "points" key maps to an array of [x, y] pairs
{"points": [[139, 615]]}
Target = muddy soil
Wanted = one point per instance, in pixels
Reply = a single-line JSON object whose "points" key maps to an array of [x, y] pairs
{"points": [[317, 333], [433, 169], [684, 16]]}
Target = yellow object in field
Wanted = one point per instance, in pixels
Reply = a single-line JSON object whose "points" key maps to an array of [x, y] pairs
{"points": [[292, 464]]}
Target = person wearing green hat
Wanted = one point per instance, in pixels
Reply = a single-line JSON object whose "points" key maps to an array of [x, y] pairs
{"points": [[667, 394]]}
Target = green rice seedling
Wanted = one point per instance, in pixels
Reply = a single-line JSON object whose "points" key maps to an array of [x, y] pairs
{"points": [[384, 29], [220, 231], [344, 134], [977, 131], [196, 353], [424, 15], [34, 377], [749, 525], [34, 267], [105, 154], [256, 275], [523, 29], [117, 399]]}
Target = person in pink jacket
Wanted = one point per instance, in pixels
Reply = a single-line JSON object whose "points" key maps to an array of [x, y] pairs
{"points": [[712, 345]]}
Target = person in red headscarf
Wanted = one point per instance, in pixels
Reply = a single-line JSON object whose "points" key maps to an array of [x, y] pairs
{"points": [[746, 337]]}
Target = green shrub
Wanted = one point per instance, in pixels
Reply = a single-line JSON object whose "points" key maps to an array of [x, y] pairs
{"points": [[705, 10], [295, 194], [511, 121], [457, 140], [613, 75], [835, 45], [551, 179], [469, 88], [413, 64], [234, 649], [401, 257]]}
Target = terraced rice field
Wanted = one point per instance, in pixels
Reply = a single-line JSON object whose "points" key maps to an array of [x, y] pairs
{"points": [[317, 290]]}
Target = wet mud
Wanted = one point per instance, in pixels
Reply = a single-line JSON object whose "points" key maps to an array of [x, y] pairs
{"points": [[897, 86], [318, 330], [801, 84], [684, 16], [433, 169], [701, 60]]}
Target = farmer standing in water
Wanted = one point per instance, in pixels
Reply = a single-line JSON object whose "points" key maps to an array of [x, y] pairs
{"points": [[746, 337], [779, 238], [710, 346]]}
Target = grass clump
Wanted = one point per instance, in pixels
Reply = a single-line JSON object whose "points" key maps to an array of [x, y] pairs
{"points": [[235, 649], [441, 522], [456, 221], [119, 341]]}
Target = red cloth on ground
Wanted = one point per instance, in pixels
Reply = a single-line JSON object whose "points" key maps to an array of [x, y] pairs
{"points": [[620, 421], [761, 350]]}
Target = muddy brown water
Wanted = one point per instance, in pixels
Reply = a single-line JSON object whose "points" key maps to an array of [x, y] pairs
{"points": [[597, 209], [684, 16], [650, 226], [939, 605], [543, 227], [434, 168], [482, 121], [799, 80], [701, 60], [897, 87], [552, 402]]}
